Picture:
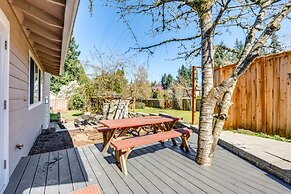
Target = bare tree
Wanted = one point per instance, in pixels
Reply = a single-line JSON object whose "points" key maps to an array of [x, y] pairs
{"points": [[140, 87], [259, 19]]}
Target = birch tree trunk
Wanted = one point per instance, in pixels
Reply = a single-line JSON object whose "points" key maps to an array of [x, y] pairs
{"points": [[205, 138]]}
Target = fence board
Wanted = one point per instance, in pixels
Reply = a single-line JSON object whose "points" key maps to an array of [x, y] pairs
{"points": [[59, 104], [262, 98], [269, 97], [243, 80], [263, 91], [283, 97], [276, 93], [288, 124]]}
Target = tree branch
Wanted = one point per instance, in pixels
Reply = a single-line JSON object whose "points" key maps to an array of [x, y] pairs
{"points": [[255, 28], [272, 27], [169, 41]]}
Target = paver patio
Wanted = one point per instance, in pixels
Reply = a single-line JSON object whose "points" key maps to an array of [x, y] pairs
{"points": [[156, 168]]}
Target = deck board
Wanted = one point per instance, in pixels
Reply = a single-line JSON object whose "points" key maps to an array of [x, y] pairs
{"points": [[16, 176], [119, 184], [238, 172], [104, 181], [206, 183], [135, 186], [211, 174], [40, 175], [52, 181], [163, 187], [26, 183], [156, 168], [66, 183], [76, 172], [167, 177], [90, 177]]}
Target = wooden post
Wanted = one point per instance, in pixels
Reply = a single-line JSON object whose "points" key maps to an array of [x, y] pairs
{"points": [[193, 94]]}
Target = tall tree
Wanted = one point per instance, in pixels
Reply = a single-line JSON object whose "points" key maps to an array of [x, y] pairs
{"points": [[140, 88], [73, 69], [275, 45], [222, 55], [167, 80], [185, 76], [207, 16], [238, 49]]}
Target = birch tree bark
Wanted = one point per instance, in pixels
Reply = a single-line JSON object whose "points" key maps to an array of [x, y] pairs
{"points": [[205, 138]]}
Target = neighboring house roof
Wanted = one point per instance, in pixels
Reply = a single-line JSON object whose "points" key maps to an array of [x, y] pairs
{"points": [[48, 26]]}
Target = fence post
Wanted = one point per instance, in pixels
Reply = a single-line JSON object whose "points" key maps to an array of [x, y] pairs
{"points": [[193, 94]]}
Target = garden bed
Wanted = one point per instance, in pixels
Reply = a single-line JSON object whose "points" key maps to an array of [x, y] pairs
{"points": [[50, 140]]}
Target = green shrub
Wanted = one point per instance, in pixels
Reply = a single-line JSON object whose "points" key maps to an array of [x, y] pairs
{"points": [[139, 105], [76, 102], [54, 117]]}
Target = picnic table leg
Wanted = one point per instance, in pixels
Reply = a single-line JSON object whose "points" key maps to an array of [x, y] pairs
{"points": [[174, 142], [108, 139], [168, 127], [185, 143], [121, 157], [123, 133]]}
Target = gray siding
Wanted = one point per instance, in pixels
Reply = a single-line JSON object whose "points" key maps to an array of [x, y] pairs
{"points": [[24, 124]]}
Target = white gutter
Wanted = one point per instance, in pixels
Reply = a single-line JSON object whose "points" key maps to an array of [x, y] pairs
{"points": [[69, 21]]}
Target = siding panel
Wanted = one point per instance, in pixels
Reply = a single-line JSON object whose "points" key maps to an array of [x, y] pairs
{"points": [[24, 124]]}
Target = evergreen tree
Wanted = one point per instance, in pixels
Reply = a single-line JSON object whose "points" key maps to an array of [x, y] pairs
{"points": [[222, 56], [73, 69], [167, 80], [185, 75], [238, 48], [275, 45]]}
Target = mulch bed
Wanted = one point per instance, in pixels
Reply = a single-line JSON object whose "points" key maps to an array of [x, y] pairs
{"points": [[49, 140]]}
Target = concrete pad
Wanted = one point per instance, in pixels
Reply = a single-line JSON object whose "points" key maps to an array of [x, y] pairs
{"points": [[271, 155]]}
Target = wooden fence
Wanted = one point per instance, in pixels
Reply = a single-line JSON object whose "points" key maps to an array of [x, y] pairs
{"points": [[262, 98], [58, 104], [185, 104]]}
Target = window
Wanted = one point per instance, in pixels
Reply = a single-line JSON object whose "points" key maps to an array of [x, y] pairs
{"points": [[35, 83]]}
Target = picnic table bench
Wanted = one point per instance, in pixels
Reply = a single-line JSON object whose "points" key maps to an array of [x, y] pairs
{"points": [[116, 128], [114, 132], [124, 147]]}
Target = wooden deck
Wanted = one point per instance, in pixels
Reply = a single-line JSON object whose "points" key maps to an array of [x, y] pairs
{"points": [[156, 168]]}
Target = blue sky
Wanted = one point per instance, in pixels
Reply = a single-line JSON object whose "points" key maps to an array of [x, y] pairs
{"points": [[108, 34]]}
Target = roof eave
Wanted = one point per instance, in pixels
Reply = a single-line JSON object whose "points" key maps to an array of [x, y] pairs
{"points": [[69, 21]]}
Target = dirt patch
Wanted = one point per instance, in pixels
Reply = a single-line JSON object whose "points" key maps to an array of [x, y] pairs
{"points": [[85, 137], [49, 140]]}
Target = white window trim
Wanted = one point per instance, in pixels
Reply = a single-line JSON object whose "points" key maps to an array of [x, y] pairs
{"points": [[34, 105]]}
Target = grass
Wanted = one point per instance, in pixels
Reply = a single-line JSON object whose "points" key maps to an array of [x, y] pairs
{"points": [[260, 134], [186, 115], [71, 114]]}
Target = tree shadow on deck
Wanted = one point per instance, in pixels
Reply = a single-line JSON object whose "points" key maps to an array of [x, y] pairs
{"points": [[147, 149]]}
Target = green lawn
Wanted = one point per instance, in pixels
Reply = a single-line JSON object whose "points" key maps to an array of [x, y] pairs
{"points": [[260, 134], [71, 114], [186, 115]]}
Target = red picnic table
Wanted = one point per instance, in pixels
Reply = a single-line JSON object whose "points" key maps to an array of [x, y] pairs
{"points": [[117, 128]]}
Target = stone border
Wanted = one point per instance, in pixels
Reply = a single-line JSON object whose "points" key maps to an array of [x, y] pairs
{"points": [[259, 162]]}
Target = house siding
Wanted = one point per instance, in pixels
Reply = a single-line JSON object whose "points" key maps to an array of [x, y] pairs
{"points": [[24, 124]]}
